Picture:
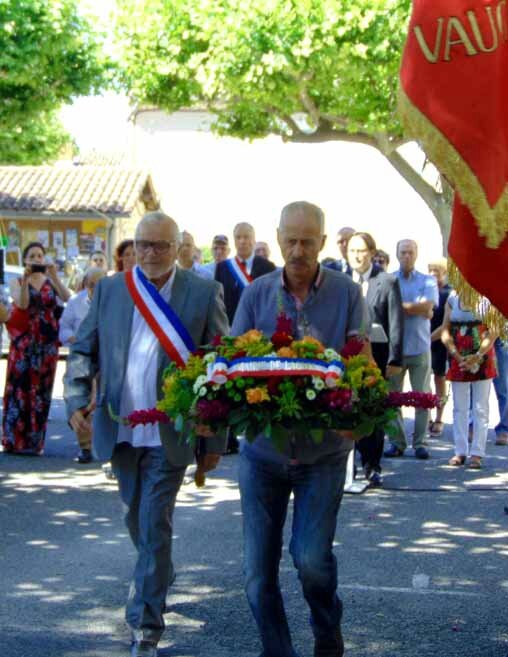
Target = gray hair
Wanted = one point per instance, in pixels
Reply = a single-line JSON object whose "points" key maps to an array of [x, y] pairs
{"points": [[92, 273], [409, 241], [244, 224], [158, 217], [303, 207]]}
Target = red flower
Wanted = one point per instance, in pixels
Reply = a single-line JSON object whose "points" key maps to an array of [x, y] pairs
{"points": [[199, 352], [340, 398], [284, 324], [239, 354], [149, 416], [352, 347], [415, 399], [217, 341], [273, 385], [281, 339]]}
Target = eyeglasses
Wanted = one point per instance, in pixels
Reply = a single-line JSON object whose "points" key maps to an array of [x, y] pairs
{"points": [[157, 247]]}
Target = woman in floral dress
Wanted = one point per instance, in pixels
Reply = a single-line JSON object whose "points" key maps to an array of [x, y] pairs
{"points": [[33, 353], [472, 368]]}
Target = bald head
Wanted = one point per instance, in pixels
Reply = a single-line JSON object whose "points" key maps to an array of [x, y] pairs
{"points": [[407, 253], [156, 242], [245, 238], [343, 236], [299, 211], [91, 278], [301, 237]]}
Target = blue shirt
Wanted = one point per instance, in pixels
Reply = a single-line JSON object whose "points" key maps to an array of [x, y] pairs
{"points": [[416, 288]]}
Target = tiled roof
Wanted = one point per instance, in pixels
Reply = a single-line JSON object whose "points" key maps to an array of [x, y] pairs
{"points": [[74, 189]]}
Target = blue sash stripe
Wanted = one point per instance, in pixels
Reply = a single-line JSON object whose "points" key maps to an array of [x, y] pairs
{"points": [[168, 312], [237, 278]]}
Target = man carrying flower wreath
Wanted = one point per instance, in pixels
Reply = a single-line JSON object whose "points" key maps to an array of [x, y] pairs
{"points": [[140, 322], [328, 306]]}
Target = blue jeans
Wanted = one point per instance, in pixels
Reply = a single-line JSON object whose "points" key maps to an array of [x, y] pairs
{"points": [[501, 385], [265, 488]]}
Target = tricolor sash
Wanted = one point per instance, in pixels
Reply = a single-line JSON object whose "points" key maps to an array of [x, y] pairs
{"points": [[239, 272], [160, 317]]}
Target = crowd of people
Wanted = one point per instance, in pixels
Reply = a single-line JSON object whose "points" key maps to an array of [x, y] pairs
{"points": [[411, 322]]}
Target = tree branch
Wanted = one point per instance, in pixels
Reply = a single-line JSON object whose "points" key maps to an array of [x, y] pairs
{"points": [[426, 191]]}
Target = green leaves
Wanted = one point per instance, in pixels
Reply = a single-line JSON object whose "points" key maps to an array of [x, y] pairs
{"points": [[48, 55], [258, 64]]}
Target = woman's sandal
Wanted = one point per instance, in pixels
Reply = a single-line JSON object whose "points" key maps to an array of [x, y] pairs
{"points": [[436, 428], [475, 463], [457, 460]]}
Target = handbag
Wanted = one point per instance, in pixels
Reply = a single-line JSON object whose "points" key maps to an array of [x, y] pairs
{"points": [[18, 323]]}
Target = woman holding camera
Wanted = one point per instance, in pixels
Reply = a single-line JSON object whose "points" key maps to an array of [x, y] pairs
{"points": [[33, 352]]}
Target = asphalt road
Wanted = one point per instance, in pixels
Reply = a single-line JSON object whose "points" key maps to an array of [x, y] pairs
{"points": [[422, 563]]}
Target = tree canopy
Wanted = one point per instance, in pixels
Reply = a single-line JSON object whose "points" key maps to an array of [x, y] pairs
{"points": [[48, 55], [307, 70]]}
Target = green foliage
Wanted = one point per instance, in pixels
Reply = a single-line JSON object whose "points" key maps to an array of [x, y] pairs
{"points": [[258, 64], [48, 55]]}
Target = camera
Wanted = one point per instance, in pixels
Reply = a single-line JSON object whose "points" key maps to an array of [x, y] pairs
{"points": [[38, 269]]}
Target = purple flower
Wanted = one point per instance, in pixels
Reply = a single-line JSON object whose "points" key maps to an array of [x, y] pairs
{"points": [[210, 410], [414, 398]]}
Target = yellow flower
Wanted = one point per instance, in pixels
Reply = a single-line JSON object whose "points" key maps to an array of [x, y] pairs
{"points": [[257, 395], [286, 352], [251, 336]]}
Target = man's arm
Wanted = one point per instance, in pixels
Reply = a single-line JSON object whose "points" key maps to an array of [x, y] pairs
{"points": [[395, 324], [66, 331], [425, 304], [82, 362]]}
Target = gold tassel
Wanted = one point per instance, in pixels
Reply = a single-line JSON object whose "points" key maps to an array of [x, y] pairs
{"points": [[478, 304], [492, 222]]}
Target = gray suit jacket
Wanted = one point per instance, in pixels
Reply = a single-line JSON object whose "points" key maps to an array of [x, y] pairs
{"points": [[102, 345]]}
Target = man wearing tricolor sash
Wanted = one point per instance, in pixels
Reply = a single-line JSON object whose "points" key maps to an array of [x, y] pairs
{"points": [[138, 323], [238, 272]]}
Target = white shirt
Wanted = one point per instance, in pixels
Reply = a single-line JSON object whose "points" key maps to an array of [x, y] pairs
{"points": [[363, 279], [74, 313], [139, 390]]}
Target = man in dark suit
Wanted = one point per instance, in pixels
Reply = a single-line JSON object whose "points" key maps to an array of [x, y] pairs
{"points": [[119, 339], [342, 263], [238, 272], [382, 295]]}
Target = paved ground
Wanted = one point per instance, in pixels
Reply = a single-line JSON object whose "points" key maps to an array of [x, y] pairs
{"points": [[422, 564]]}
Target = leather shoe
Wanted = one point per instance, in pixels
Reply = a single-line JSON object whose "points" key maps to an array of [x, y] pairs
{"points": [[333, 647], [422, 453], [393, 451], [84, 456], [144, 649]]}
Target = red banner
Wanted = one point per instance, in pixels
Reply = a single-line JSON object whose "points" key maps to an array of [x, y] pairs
{"points": [[454, 101]]}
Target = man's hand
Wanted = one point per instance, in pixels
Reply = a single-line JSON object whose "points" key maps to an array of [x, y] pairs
{"points": [[393, 370], [80, 420], [208, 462], [204, 431]]}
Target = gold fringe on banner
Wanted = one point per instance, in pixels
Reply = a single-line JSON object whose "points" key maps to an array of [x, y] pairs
{"points": [[492, 222], [478, 304]]}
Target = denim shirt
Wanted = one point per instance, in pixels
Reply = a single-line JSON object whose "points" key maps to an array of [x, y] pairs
{"points": [[333, 311], [415, 288]]}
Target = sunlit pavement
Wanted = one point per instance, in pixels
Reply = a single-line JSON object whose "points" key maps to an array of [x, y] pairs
{"points": [[422, 563]]}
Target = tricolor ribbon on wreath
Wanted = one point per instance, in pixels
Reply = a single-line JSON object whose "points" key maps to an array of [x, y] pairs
{"points": [[239, 272], [160, 317], [222, 370]]}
